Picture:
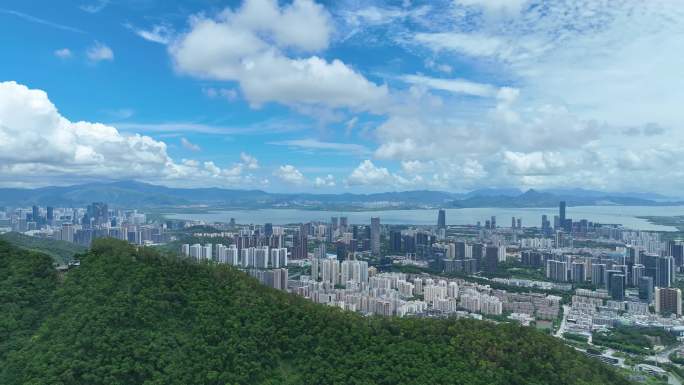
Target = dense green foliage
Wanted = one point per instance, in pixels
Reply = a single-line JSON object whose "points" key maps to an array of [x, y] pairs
{"points": [[135, 317], [676, 358], [61, 251], [576, 337], [514, 269], [633, 339], [27, 282]]}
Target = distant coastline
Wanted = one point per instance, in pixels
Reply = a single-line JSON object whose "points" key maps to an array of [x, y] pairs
{"points": [[631, 217]]}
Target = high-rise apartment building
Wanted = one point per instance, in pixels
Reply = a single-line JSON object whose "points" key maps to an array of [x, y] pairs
{"points": [[616, 281], [668, 301], [646, 289], [598, 274], [375, 235], [665, 270]]}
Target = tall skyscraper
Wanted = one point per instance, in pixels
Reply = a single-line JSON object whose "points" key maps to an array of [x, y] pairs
{"points": [[341, 251], [609, 274], [477, 251], [598, 272], [67, 232], [395, 241], [557, 270], [375, 235], [491, 258], [301, 245], [98, 213], [638, 271], [578, 272], [676, 250], [646, 289], [617, 287], [561, 213], [343, 224], [35, 214], [664, 271], [330, 271], [546, 225], [460, 250], [50, 214], [441, 219]]}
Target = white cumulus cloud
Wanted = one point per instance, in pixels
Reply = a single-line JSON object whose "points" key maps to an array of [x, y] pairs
{"points": [[289, 174], [368, 173], [327, 181], [63, 53], [38, 143], [249, 45], [99, 52], [249, 161]]}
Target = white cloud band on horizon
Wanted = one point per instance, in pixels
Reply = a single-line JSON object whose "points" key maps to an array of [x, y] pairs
{"points": [[29, 121]]}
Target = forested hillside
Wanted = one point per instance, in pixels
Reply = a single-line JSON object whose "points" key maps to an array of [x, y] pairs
{"points": [[62, 252], [135, 317], [27, 283]]}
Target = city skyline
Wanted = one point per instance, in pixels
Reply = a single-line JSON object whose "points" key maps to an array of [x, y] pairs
{"points": [[372, 97], [578, 279], [645, 264]]}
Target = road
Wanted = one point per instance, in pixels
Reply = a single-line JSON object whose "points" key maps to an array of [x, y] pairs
{"points": [[563, 325], [664, 356]]}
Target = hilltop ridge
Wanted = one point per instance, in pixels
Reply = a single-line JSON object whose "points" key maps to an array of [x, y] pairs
{"points": [[128, 316]]}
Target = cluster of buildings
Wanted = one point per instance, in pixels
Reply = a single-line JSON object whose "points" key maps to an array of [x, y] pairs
{"points": [[268, 265], [617, 284], [275, 278], [347, 238], [595, 310], [260, 257], [352, 286], [469, 258], [629, 283], [339, 273], [82, 225], [615, 272]]}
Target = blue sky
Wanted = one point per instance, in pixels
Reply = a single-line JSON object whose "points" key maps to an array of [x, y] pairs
{"points": [[343, 96]]}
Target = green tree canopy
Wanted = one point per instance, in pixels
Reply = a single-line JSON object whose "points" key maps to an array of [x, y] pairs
{"points": [[132, 316]]}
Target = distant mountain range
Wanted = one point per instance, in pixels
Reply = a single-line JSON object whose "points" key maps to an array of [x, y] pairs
{"points": [[132, 194]]}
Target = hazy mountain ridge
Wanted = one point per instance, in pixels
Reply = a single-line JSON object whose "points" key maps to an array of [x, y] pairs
{"points": [[533, 198], [137, 194]]}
